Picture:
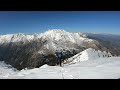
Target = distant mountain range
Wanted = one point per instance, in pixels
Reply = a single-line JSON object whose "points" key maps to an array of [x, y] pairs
{"points": [[110, 41]]}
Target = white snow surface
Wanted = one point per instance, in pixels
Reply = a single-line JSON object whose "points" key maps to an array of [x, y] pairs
{"points": [[102, 68], [88, 54]]}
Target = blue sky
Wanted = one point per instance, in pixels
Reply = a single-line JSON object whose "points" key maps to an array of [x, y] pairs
{"points": [[72, 21]]}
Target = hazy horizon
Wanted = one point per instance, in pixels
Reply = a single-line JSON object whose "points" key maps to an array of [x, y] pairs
{"points": [[65, 30]]}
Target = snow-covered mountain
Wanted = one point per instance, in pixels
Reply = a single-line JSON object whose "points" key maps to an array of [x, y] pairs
{"points": [[21, 50], [60, 39], [91, 59], [15, 38], [55, 39], [88, 54], [55, 34]]}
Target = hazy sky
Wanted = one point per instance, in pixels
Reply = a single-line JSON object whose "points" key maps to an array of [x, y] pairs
{"points": [[73, 21]]}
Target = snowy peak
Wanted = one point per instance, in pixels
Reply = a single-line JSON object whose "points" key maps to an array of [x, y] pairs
{"points": [[54, 35], [60, 39], [51, 31], [15, 38], [89, 54], [58, 34]]}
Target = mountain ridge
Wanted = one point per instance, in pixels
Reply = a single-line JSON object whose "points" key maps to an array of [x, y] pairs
{"points": [[30, 51]]}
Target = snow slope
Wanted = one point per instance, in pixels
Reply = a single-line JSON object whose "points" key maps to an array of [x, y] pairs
{"points": [[102, 68], [88, 54], [6, 70]]}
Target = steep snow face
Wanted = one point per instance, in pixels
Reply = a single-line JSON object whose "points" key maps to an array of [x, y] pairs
{"points": [[88, 54]]}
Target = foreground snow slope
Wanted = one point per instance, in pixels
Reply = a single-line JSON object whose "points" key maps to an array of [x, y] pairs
{"points": [[101, 68]]}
